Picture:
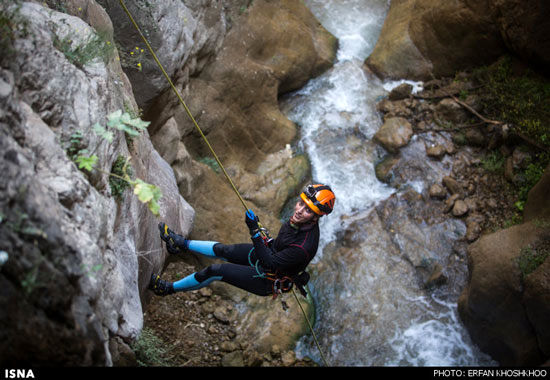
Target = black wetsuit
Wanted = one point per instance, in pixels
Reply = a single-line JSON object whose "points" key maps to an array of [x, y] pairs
{"points": [[288, 255]]}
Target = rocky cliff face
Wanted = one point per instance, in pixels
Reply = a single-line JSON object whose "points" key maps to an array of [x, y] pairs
{"points": [[78, 259]]}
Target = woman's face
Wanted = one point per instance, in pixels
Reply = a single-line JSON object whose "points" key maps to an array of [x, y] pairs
{"points": [[302, 213]]}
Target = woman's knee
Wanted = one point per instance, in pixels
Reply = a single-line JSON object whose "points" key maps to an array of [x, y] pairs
{"points": [[213, 270]]}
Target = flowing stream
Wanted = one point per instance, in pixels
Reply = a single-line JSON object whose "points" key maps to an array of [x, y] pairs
{"points": [[369, 307]]}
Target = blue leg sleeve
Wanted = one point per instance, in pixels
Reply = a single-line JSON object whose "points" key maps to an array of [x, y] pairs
{"points": [[205, 248], [191, 283]]}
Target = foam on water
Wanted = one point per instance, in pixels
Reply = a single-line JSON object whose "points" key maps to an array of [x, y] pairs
{"points": [[435, 339], [337, 116]]}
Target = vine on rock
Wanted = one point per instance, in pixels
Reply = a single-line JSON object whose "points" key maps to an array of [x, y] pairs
{"points": [[146, 192]]}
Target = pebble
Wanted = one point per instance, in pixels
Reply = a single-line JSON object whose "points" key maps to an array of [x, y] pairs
{"points": [[460, 208]]}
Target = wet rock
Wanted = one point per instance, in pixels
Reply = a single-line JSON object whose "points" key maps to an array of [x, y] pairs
{"points": [[452, 185], [402, 91], [395, 133], [460, 208], [437, 277], [436, 151], [437, 191], [473, 230], [450, 202], [383, 169]]}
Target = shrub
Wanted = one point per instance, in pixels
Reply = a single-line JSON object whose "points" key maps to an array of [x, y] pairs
{"points": [[150, 349]]}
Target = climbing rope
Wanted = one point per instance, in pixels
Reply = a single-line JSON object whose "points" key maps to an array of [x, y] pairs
{"points": [[123, 5]]}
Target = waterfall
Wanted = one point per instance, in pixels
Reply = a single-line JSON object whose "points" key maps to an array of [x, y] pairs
{"points": [[369, 309]]}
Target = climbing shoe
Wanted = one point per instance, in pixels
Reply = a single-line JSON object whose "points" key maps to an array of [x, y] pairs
{"points": [[174, 243], [160, 287]]}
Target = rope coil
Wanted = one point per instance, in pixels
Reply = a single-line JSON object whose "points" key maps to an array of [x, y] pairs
{"points": [[235, 190]]}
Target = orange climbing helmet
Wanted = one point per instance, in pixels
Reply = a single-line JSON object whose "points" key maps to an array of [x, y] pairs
{"points": [[319, 198]]}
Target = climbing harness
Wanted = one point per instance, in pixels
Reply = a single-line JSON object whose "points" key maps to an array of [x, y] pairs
{"points": [[280, 284], [123, 5]]}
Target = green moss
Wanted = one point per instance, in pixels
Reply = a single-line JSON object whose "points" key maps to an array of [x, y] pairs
{"points": [[529, 178], [493, 162], [531, 258], [516, 95], [12, 26], [211, 162], [118, 186], [98, 45]]}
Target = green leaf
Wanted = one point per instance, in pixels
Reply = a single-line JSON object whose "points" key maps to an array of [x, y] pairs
{"points": [[102, 132], [138, 123], [149, 194], [129, 130], [86, 162], [114, 118]]}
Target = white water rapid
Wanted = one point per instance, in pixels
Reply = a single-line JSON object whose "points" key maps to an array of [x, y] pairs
{"points": [[370, 310]]}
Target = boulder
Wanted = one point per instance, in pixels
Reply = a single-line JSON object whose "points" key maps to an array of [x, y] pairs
{"points": [[424, 37], [491, 305], [524, 29], [395, 133]]}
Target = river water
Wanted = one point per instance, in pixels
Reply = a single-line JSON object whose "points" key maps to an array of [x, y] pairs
{"points": [[369, 307]]}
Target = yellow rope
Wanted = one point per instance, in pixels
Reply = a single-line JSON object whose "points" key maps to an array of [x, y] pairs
{"points": [[209, 147], [182, 102], [310, 328]]}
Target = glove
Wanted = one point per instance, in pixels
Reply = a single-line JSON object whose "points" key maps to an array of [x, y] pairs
{"points": [[252, 222], [174, 243]]}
